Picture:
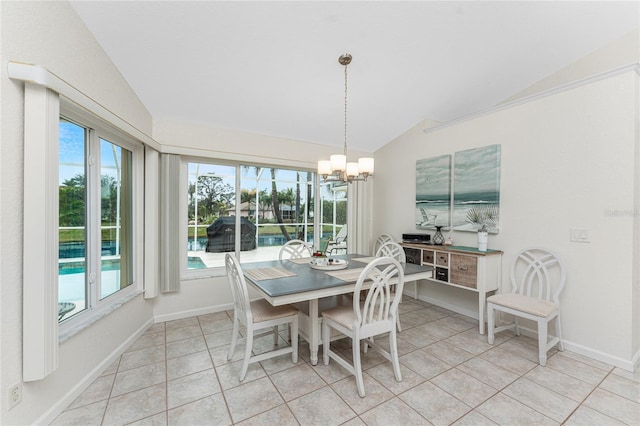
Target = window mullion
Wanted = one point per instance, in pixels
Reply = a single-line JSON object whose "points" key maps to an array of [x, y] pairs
{"points": [[94, 239]]}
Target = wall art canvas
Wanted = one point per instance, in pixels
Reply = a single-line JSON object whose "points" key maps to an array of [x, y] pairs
{"points": [[476, 193], [433, 192]]}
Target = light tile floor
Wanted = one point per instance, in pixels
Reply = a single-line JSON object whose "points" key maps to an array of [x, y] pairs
{"points": [[177, 374]]}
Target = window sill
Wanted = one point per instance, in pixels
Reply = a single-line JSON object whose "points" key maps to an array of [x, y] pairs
{"points": [[86, 319], [204, 274]]}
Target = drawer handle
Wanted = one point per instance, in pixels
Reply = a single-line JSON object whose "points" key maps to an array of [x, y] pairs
{"points": [[463, 268]]}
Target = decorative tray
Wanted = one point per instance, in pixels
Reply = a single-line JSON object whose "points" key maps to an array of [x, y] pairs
{"points": [[334, 265]]}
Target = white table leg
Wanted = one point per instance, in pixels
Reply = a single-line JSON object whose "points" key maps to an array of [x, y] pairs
{"points": [[314, 335], [482, 298]]}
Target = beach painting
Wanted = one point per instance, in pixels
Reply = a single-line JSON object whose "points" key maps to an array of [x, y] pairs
{"points": [[476, 189], [433, 192]]}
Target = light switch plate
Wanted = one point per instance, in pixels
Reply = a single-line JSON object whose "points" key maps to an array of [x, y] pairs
{"points": [[580, 235]]}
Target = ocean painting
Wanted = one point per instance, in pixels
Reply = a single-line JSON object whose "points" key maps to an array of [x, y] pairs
{"points": [[433, 192], [476, 193]]}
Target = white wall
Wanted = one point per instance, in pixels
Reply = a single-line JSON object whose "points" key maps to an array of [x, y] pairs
{"points": [[568, 160], [51, 34]]}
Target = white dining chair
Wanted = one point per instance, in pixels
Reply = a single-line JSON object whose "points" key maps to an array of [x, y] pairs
{"points": [[373, 316], [392, 249], [255, 316], [395, 251], [383, 238], [537, 278], [295, 249]]}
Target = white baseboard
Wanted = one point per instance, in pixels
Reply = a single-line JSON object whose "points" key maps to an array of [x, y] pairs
{"points": [[455, 308], [597, 355], [54, 411], [636, 361], [626, 364], [192, 313], [601, 356]]}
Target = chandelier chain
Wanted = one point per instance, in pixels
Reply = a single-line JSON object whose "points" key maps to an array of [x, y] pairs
{"points": [[345, 110]]}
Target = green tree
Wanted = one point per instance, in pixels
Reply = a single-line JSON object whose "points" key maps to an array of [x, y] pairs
{"points": [[249, 197], [327, 212], [299, 229], [108, 200], [213, 195], [72, 201], [276, 205], [265, 202], [287, 197]]}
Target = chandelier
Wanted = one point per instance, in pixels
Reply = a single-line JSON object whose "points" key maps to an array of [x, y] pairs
{"points": [[337, 168]]}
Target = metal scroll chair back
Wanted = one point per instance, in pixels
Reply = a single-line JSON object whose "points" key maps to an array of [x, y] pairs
{"points": [[295, 249]]}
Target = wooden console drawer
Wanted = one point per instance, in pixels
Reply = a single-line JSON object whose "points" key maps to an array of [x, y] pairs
{"points": [[464, 270], [442, 258], [462, 267]]}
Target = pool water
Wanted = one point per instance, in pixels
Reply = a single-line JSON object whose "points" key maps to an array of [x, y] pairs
{"points": [[194, 262], [66, 268]]}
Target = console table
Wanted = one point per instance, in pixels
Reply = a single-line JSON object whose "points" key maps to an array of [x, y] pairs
{"points": [[461, 267]]}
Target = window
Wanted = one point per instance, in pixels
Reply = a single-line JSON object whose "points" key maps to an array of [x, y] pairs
{"points": [[274, 205], [96, 215], [211, 195], [333, 212]]}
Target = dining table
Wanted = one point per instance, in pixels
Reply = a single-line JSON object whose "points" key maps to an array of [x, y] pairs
{"points": [[313, 288]]}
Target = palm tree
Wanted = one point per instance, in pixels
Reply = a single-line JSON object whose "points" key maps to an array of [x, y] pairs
{"points": [[298, 233], [264, 201], [248, 196], [276, 205]]}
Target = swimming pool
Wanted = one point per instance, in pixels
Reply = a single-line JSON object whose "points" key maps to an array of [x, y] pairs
{"points": [[194, 262], [78, 267]]}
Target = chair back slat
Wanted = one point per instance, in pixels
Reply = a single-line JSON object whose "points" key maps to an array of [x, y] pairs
{"points": [[382, 239], [295, 249], [538, 273], [378, 305], [238, 286], [393, 250]]}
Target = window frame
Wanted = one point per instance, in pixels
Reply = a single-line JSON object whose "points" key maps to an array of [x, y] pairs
{"points": [[99, 129], [219, 271]]}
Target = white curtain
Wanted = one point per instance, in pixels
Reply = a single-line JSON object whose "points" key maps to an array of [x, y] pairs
{"points": [[359, 219], [40, 272], [170, 246], [151, 222]]}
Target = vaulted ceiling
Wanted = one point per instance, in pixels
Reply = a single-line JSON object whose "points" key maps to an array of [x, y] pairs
{"points": [[272, 67]]}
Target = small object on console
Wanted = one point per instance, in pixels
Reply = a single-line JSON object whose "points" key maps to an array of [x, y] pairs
{"points": [[416, 238]]}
